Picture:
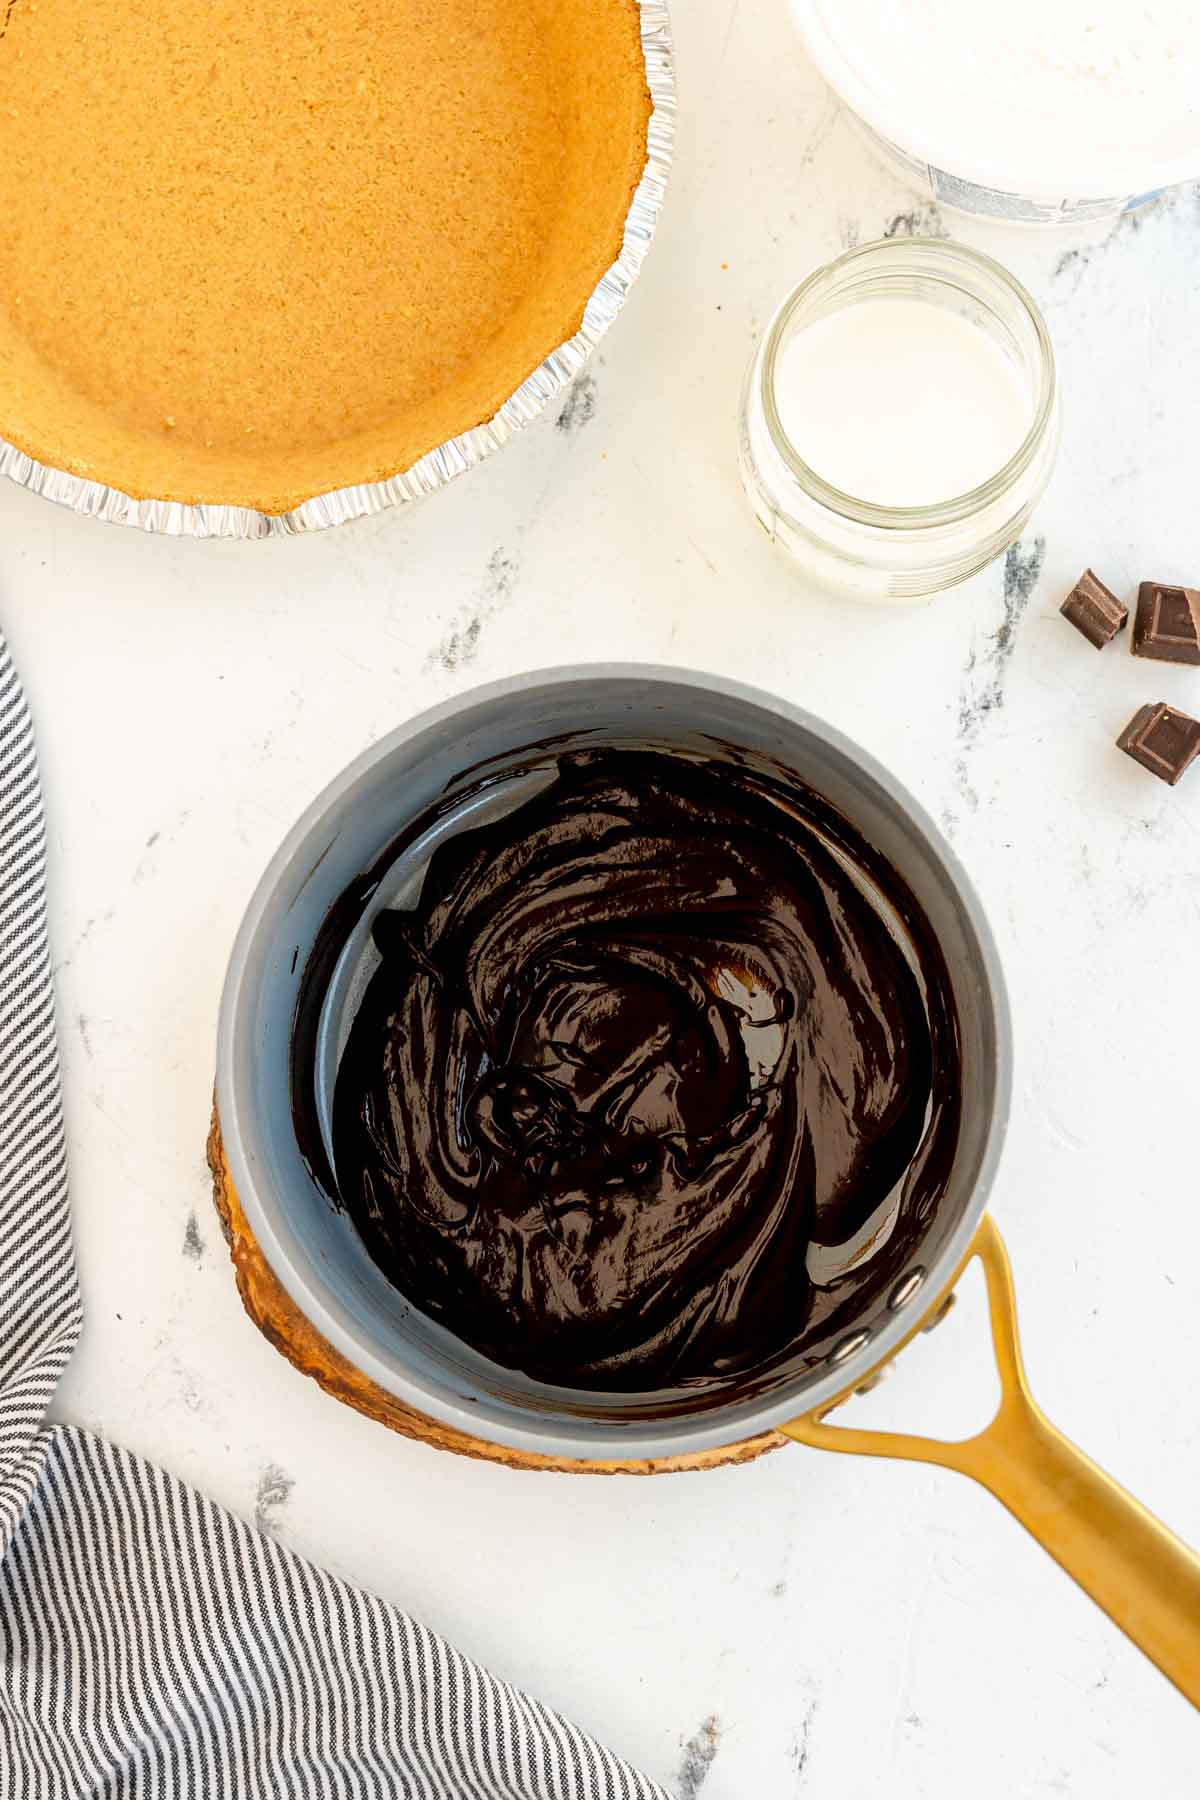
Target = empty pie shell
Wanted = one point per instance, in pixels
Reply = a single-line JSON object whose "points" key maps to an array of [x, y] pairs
{"points": [[268, 264]]}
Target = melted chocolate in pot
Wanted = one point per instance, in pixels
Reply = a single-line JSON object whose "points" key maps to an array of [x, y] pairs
{"points": [[657, 1084]]}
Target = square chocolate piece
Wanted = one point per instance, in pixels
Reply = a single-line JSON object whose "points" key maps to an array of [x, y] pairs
{"points": [[1094, 610], [1167, 625], [1162, 740]]}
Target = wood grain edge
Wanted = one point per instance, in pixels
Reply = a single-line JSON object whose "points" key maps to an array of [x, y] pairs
{"points": [[282, 1323]]}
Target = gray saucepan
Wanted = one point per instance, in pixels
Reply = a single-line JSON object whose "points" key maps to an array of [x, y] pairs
{"points": [[1144, 1577], [314, 1250]]}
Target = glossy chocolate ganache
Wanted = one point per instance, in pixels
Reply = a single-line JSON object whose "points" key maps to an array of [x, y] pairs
{"points": [[655, 1084]]}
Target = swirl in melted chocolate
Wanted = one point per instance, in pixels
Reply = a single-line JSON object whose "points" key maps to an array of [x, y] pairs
{"points": [[656, 1082]]}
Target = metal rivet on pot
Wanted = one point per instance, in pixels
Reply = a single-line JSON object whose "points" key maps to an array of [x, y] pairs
{"points": [[872, 1381], [848, 1346], [941, 1312], [904, 1290]]}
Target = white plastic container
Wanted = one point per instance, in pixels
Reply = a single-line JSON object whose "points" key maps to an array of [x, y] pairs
{"points": [[1034, 111]]}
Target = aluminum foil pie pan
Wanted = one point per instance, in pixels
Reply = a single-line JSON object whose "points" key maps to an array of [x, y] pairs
{"points": [[433, 470]]}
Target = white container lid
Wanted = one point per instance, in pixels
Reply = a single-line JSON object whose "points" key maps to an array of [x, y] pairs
{"points": [[1046, 98]]}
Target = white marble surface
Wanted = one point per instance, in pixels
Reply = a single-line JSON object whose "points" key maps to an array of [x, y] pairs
{"points": [[849, 1628]]}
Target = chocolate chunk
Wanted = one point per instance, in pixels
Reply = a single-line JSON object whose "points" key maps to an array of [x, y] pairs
{"points": [[1095, 610], [1167, 625], [1162, 740]]}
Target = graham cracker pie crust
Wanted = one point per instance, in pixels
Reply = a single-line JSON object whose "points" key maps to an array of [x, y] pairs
{"points": [[251, 252]]}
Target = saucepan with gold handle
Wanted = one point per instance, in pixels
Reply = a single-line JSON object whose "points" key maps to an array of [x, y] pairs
{"points": [[340, 1302]]}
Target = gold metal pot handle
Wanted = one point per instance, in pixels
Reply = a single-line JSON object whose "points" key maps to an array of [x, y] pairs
{"points": [[1145, 1578]]}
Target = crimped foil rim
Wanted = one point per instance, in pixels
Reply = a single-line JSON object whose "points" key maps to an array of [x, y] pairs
{"points": [[437, 467]]}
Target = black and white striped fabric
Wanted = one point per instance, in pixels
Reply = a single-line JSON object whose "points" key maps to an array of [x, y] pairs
{"points": [[152, 1644]]}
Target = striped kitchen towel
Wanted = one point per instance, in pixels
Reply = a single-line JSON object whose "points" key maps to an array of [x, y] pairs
{"points": [[152, 1644]]}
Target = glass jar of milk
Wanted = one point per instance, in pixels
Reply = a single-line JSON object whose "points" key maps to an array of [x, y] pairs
{"points": [[900, 419]]}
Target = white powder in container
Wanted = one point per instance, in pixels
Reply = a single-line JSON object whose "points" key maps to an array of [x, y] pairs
{"points": [[1083, 97]]}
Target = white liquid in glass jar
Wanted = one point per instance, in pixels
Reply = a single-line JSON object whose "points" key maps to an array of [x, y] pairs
{"points": [[901, 402]]}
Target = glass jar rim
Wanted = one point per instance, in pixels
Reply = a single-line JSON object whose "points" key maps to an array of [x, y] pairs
{"points": [[959, 506]]}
